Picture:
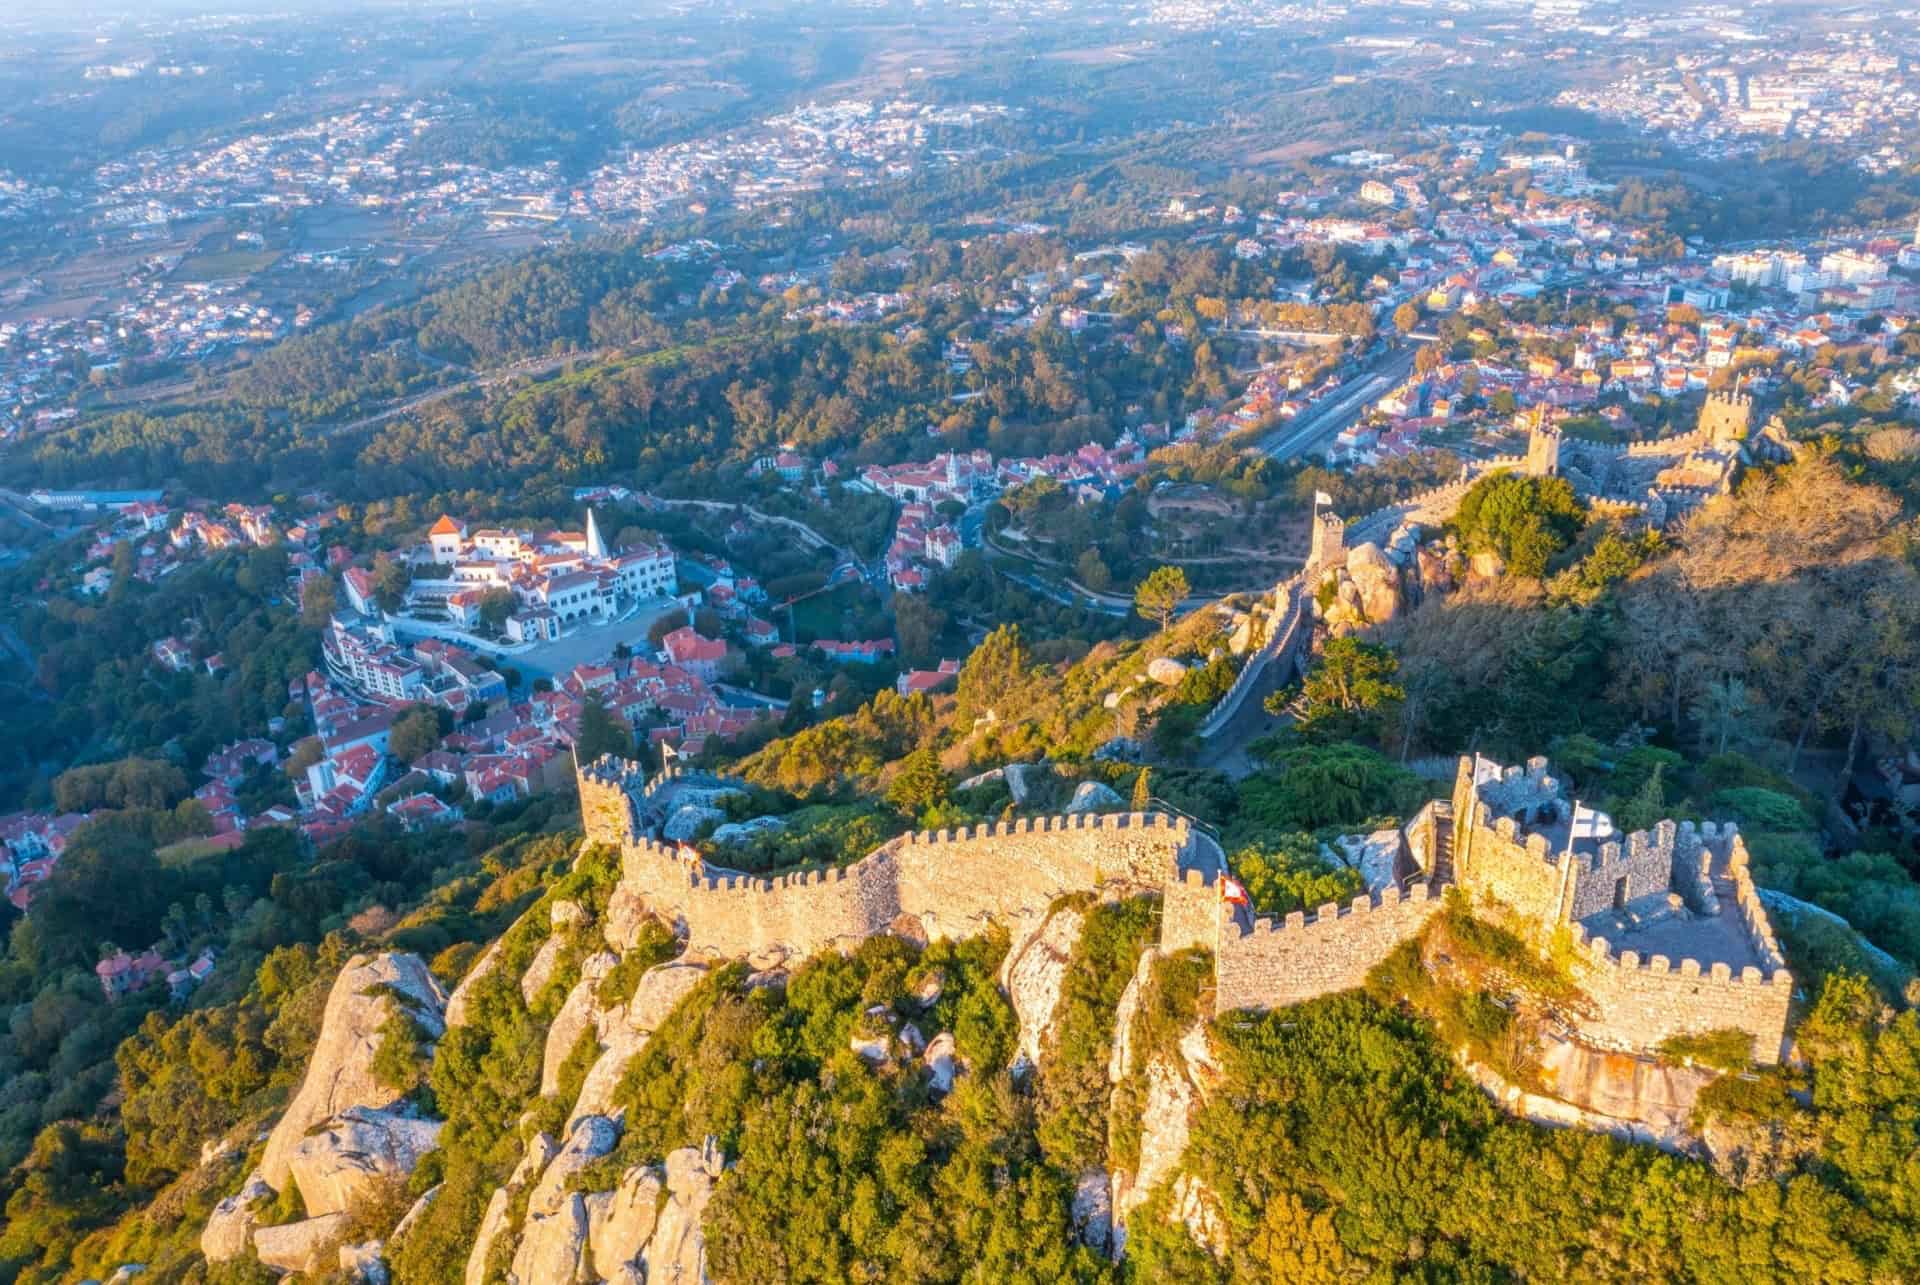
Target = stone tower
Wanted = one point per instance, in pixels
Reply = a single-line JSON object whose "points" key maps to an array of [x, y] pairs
{"points": [[607, 786], [1726, 418], [1329, 539], [1543, 451]]}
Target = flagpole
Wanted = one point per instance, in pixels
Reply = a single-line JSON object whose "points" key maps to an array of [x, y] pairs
{"points": [[1566, 865]]}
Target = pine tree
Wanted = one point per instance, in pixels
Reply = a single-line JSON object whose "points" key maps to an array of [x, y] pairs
{"points": [[1143, 790]]}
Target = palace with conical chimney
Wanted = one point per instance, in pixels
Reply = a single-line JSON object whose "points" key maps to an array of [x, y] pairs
{"points": [[558, 579]]}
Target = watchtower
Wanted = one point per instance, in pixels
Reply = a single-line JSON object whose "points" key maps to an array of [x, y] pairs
{"points": [[1329, 539], [1543, 451], [1726, 418]]}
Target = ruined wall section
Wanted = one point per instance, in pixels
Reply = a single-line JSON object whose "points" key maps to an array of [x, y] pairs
{"points": [[1495, 860], [955, 883], [1646, 861], [1639, 1003], [937, 884], [1193, 913], [1276, 963], [1746, 895]]}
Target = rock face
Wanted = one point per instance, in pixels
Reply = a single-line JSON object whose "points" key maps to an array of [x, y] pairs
{"points": [[1166, 671], [1021, 780], [456, 1014], [1654, 1096], [305, 1246], [592, 1137], [492, 1223], [686, 821], [552, 1245], [364, 1263], [541, 967], [1092, 1209], [1033, 980], [358, 1152], [677, 1251], [580, 1013], [229, 1230], [1367, 590], [1095, 796], [940, 1064], [540, 1152], [620, 1223], [340, 1072], [624, 1031]]}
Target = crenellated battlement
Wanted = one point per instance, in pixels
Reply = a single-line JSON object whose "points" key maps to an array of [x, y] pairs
{"points": [[1600, 951], [1329, 914], [1507, 835]]}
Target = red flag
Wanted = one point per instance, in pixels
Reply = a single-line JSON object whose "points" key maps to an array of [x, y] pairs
{"points": [[1232, 892]]}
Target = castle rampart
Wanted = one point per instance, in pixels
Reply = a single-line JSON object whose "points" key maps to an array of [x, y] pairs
{"points": [[1506, 836], [947, 883], [1273, 963], [1638, 1004]]}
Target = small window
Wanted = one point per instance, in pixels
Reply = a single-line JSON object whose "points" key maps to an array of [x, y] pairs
{"points": [[1620, 893]]}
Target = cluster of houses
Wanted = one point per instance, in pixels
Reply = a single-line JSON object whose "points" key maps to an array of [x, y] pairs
{"points": [[166, 538], [30, 847], [121, 974], [921, 539]]}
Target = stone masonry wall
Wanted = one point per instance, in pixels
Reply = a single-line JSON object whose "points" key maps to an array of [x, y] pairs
{"points": [[947, 884], [1275, 964], [1645, 861], [1494, 859], [1192, 914], [1640, 1003], [953, 884]]}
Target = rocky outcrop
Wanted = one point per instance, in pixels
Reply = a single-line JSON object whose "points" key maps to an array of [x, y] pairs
{"points": [[541, 1150], [1092, 1209], [621, 1222], [1094, 796], [541, 968], [358, 1152], [1367, 590], [677, 1250], [364, 1263], [552, 1246], [456, 1014], [1166, 671], [229, 1230], [1195, 1207], [592, 1137], [582, 1012], [1033, 981], [625, 1031], [646, 1230], [306, 1246], [492, 1223], [340, 1074], [940, 1063], [686, 821], [414, 1214], [1174, 1088]]}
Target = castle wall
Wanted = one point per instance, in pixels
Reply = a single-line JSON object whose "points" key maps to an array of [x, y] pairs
{"points": [[1645, 861], [1494, 859], [1639, 1003], [950, 883], [956, 884], [1274, 964], [1192, 913]]}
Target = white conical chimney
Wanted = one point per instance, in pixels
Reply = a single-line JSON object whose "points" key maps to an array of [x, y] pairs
{"points": [[596, 545]]}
